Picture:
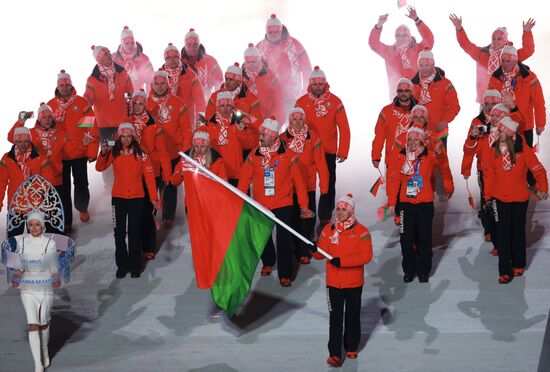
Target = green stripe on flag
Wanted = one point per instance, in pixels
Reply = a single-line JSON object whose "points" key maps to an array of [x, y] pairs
{"points": [[85, 125], [241, 259]]}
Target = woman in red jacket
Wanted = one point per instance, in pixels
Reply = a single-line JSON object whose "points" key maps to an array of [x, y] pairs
{"points": [[505, 164], [350, 245], [130, 166], [409, 177]]}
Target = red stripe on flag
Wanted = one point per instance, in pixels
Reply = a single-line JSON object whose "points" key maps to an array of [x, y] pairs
{"points": [[376, 186]]}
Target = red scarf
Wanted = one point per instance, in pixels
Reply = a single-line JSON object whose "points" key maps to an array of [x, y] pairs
{"points": [[508, 78], [506, 159], [109, 73], [62, 106], [410, 158], [21, 159], [129, 65], [494, 60], [163, 115], [339, 227], [234, 93], [266, 151], [127, 151], [405, 62], [320, 103], [253, 75], [224, 123], [140, 123], [174, 77], [404, 121], [298, 139], [46, 138], [425, 96], [201, 159]]}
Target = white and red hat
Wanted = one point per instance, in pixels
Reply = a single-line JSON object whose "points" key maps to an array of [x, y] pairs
{"points": [[160, 75], [297, 112], [509, 52], [125, 129], [416, 131], [347, 203], [508, 126], [420, 110], [317, 76], [252, 53], [139, 94], [234, 72], [37, 216], [500, 109], [502, 31], [273, 23], [270, 127], [171, 49], [404, 83], [427, 56], [21, 134], [63, 78], [201, 138], [222, 97], [126, 33], [43, 108], [192, 35], [97, 49], [492, 96]]}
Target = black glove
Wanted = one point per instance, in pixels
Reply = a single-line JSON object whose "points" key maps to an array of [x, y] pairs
{"points": [[335, 261]]}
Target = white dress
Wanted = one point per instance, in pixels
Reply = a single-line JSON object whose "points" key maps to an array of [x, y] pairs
{"points": [[37, 301]]}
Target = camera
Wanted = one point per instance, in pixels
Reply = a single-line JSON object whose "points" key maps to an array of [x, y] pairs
{"points": [[24, 115], [482, 129], [238, 116], [111, 143]]}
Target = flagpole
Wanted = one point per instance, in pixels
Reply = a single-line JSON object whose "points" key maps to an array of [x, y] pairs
{"points": [[251, 201]]}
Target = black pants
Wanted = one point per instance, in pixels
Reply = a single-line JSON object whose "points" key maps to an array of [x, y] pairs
{"points": [[305, 226], [148, 229], [528, 135], [416, 227], [510, 221], [233, 181], [170, 197], [486, 212], [79, 169], [346, 322], [327, 201], [284, 254], [128, 257]]}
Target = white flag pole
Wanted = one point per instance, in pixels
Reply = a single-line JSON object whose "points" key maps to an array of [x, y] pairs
{"points": [[251, 201]]}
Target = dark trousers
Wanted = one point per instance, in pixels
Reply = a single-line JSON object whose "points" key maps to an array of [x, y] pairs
{"points": [[528, 135], [284, 238], [486, 212], [327, 201], [344, 307], [79, 169], [416, 227], [128, 257], [148, 229], [170, 197], [233, 181], [305, 226], [510, 221]]}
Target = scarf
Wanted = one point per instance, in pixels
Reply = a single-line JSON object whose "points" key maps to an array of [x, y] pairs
{"points": [[163, 114], [126, 151], [425, 96], [410, 159], [506, 159], [266, 152], [140, 123], [224, 123], [320, 103], [293, 55], [405, 61], [234, 93], [46, 138], [201, 159], [339, 227], [174, 77], [21, 159], [62, 106], [109, 73], [494, 60], [298, 139], [508, 80], [253, 75], [129, 65], [404, 121]]}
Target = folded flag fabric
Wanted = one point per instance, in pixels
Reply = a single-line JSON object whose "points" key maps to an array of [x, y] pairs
{"points": [[376, 186]]}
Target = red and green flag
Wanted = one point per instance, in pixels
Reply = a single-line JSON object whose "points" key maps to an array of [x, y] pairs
{"points": [[228, 236], [86, 122], [376, 186]]}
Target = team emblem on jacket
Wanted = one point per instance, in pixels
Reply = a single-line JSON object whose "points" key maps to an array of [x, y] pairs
{"points": [[321, 110]]}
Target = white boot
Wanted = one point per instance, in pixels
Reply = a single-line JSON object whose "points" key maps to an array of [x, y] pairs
{"points": [[34, 341], [44, 339]]}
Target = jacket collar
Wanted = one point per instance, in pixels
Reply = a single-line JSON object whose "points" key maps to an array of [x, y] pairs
{"points": [[523, 71], [280, 151], [439, 75], [97, 74], [34, 152]]}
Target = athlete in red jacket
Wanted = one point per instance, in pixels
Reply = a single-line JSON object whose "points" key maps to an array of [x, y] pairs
{"points": [[130, 56], [350, 245]]}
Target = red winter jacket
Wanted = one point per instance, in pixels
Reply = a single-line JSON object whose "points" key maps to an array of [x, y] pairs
{"points": [[511, 186], [138, 67], [312, 160], [354, 250], [269, 91], [217, 167], [207, 69], [529, 96], [11, 176], [246, 102], [397, 181], [79, 121], [108, 113], [232, 153], [444, 105], [481, 56], [288, 179], [129, 171], [329, 121], [290, 61]]}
